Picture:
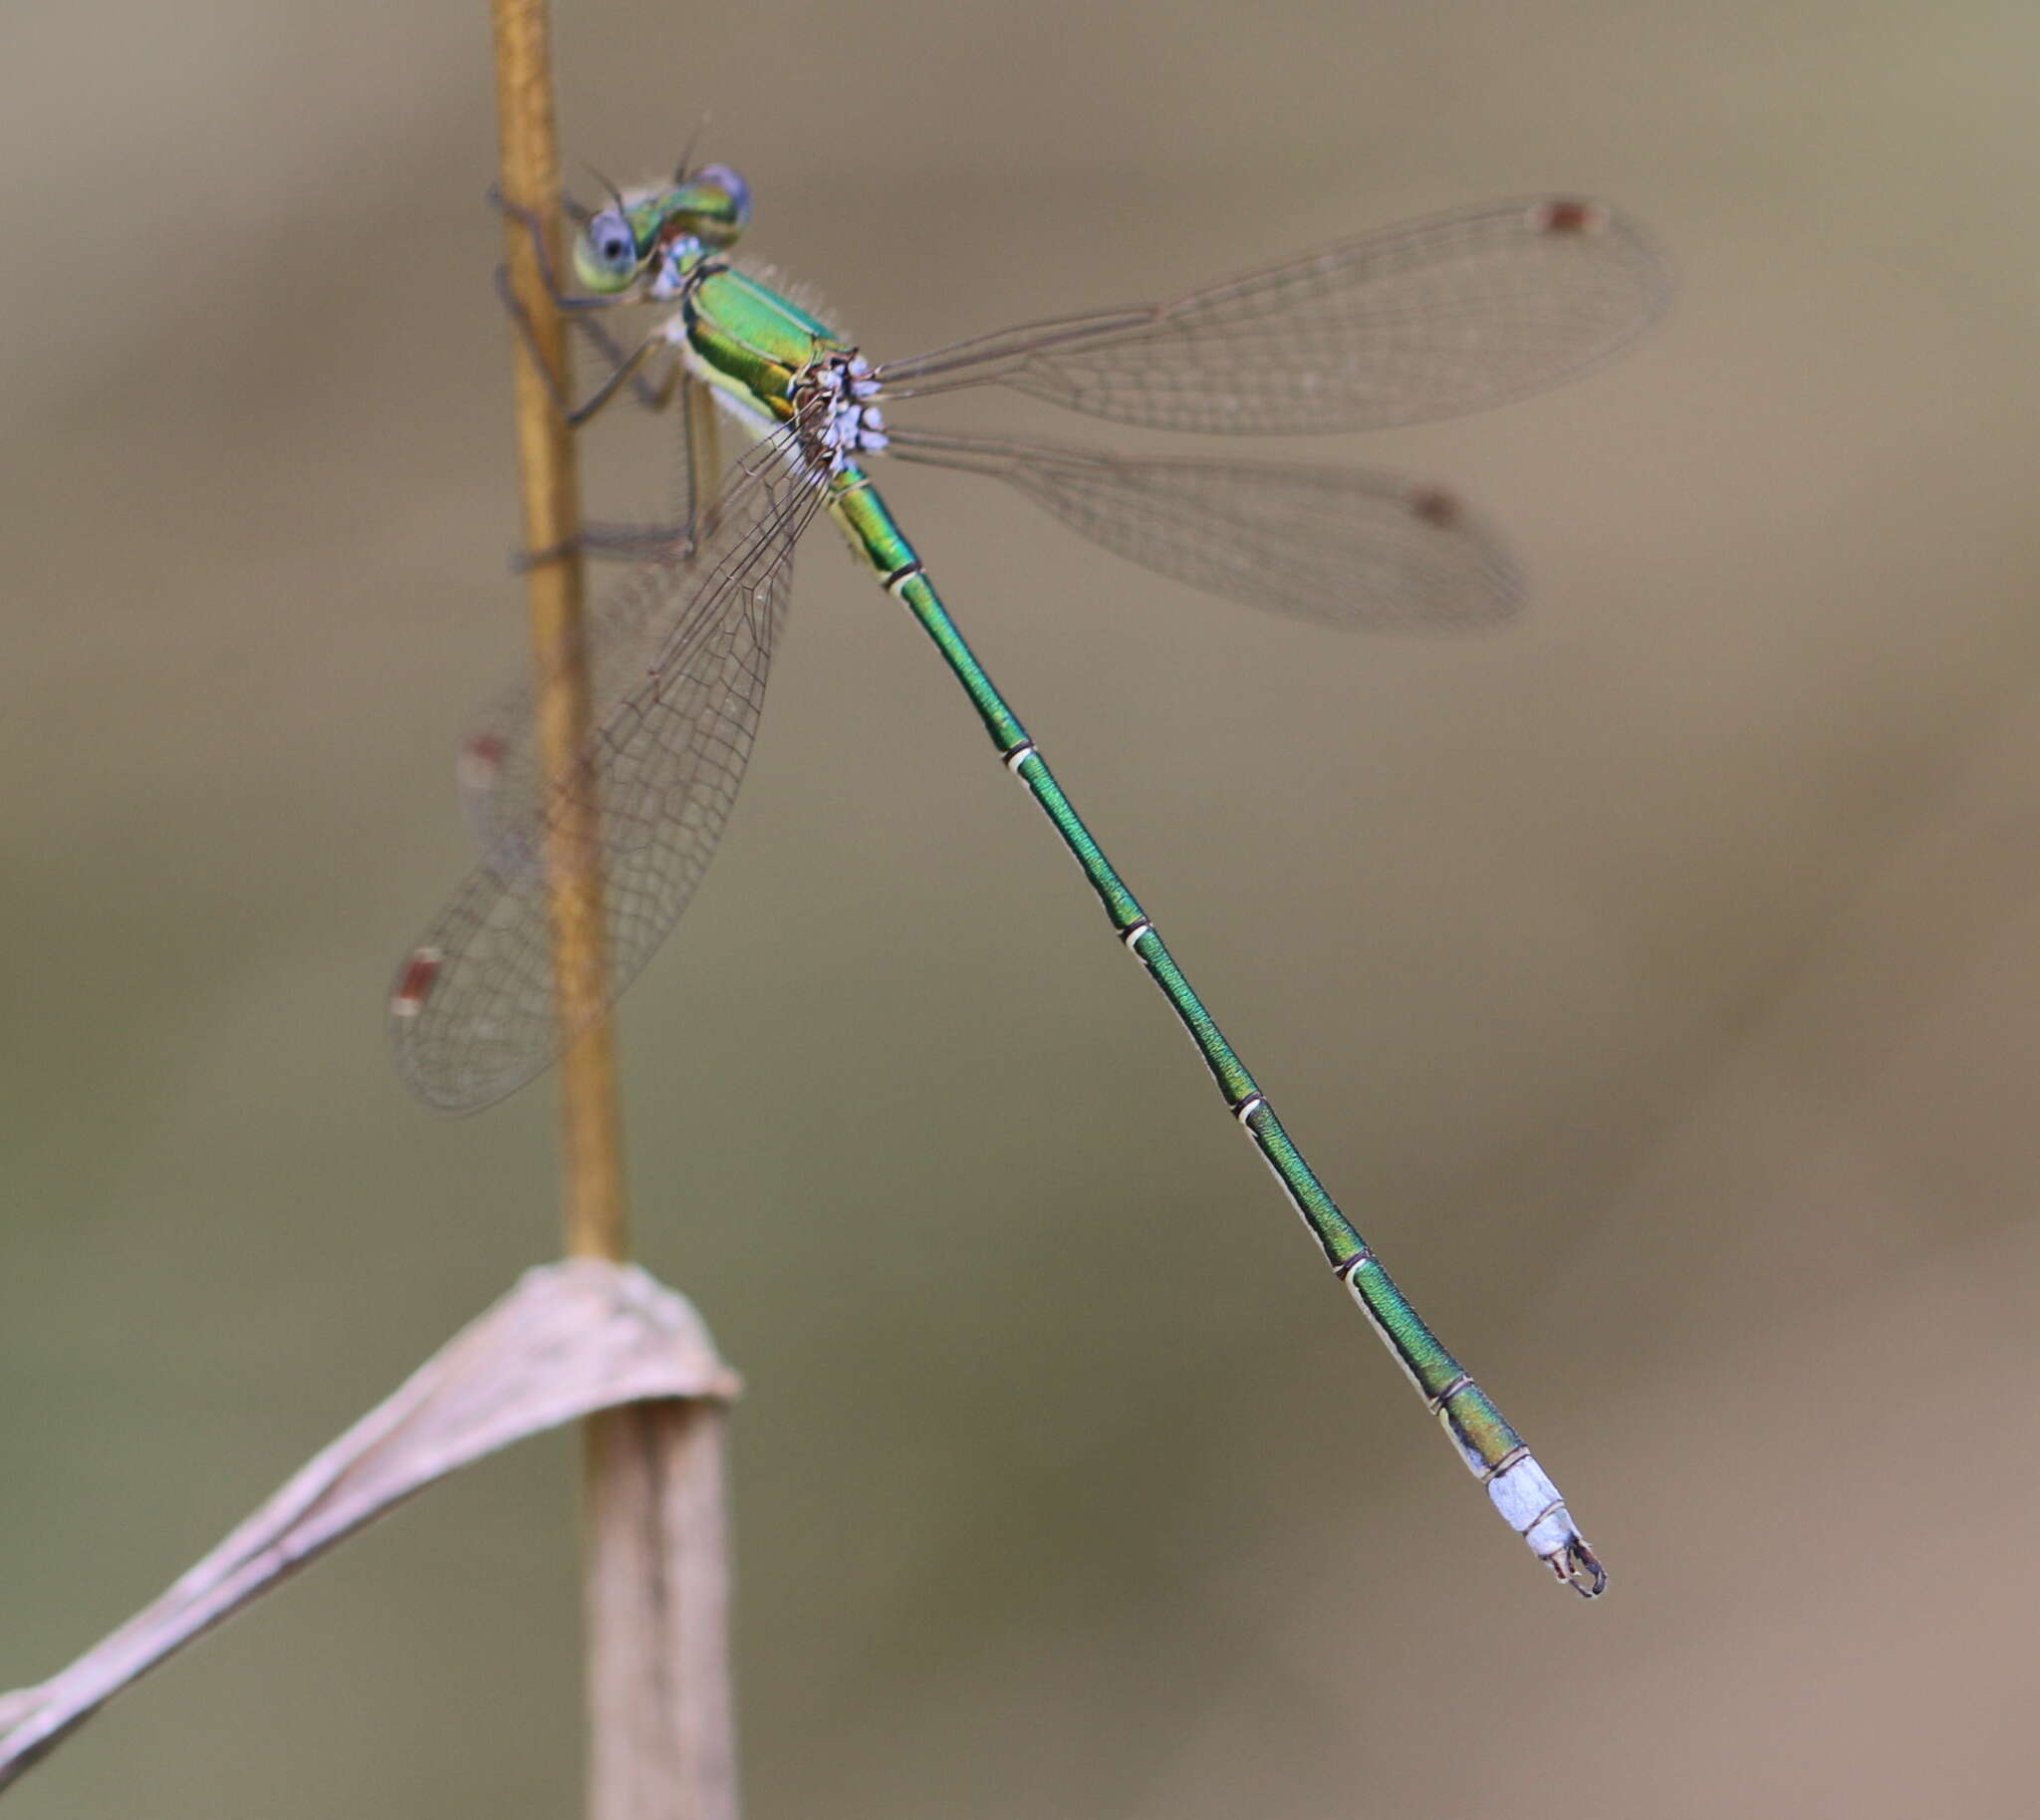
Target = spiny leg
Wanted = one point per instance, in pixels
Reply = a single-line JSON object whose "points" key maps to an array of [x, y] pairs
{"points": [[668, 542], [701, 469], [623, 367], [652, 397]]}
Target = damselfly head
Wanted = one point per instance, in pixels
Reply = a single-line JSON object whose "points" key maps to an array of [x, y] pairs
{"points": [[711, 205]]}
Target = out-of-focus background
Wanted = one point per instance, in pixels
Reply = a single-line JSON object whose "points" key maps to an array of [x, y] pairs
{"points": [[1656, 983]]}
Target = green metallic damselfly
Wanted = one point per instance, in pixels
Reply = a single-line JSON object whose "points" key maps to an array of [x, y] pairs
{"points": [[1432, 318]]}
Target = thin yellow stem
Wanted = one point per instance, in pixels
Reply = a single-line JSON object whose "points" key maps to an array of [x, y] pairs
{"points": [[550, 486], [661, 1744]]}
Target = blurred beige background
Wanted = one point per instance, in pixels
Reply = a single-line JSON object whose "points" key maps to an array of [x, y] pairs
{"points": [[1656, 984]]}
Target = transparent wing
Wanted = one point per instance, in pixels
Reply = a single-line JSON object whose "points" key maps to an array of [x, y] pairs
{"points": [[1426, 320], [1345, 547], [497, 769], [473, 1015]]}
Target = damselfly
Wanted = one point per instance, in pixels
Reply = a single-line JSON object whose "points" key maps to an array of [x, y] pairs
{"points": [[1420, 321]]}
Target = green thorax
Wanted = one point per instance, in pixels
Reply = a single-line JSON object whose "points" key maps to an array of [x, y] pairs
{"points": [[750, 342]]}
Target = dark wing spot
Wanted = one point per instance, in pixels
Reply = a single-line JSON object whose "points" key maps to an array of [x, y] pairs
{"points": [[1567, 216], [1435, 506]]}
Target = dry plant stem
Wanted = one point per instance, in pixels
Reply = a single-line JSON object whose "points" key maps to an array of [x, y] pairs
{"points": [[657, 1571], [551, 520]]}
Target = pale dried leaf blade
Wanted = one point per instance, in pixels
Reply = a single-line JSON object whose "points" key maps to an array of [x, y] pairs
{"points": [[571, 1338]]}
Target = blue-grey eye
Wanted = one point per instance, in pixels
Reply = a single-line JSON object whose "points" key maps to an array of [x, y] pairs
{"points": [[606, 252], [613, 243], [713, 204], [732, 185]]}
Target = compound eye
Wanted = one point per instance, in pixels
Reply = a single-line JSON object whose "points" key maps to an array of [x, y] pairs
{"points": [[714, 202], [605, 253], [611, 240], [732, 185]]}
